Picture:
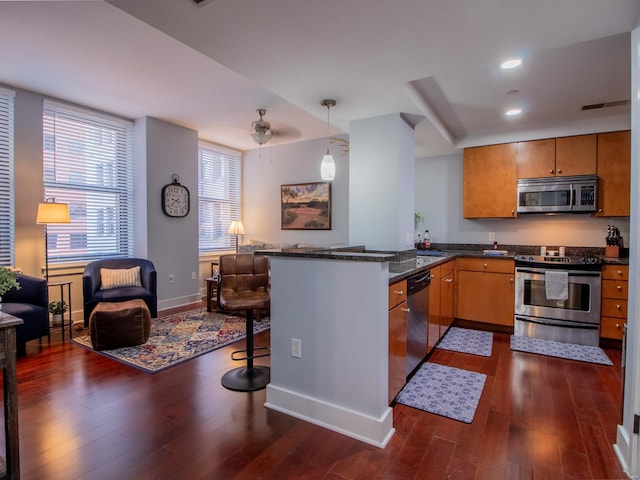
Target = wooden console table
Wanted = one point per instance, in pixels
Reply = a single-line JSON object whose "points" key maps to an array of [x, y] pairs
{"points": [[10, 468]]}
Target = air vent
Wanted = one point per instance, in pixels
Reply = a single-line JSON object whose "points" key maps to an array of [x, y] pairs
{"points": [[200, 3], [595, 106]]}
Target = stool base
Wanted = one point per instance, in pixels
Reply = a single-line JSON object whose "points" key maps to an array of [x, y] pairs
{"points": [[244, 379]]}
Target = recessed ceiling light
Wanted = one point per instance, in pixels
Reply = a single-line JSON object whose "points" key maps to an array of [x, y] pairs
{"points": [[511, 63], [513, 112]]}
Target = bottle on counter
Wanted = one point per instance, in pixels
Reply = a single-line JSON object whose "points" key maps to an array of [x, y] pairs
{"points": [[419, 243], [426, 242]]}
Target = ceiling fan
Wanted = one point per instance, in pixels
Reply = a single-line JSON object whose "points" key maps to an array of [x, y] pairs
{"points": [[262, 132]]}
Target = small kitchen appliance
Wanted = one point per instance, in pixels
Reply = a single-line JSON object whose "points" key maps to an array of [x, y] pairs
{"points": [[558, 298]]}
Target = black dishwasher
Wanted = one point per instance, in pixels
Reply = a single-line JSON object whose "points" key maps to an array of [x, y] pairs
{"points": [[417, 318]]}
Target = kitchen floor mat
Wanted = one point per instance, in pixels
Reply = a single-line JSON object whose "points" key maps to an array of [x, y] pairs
{"points": [[583, 353], [465, 340], [446, 391]]}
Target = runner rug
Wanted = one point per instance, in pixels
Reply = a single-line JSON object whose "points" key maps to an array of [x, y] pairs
{"points": [[174, 339], [583, 353], [446, 391], [466, 340]]}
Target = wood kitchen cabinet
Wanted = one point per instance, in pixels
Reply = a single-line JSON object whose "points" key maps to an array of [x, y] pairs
{"points": [[397, 337], [489, 181], [557, 157], [486, 290], [441, 302], [614, 301], [614, 174]]}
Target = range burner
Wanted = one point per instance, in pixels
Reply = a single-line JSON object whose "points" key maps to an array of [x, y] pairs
{"points": [[582, 263]]}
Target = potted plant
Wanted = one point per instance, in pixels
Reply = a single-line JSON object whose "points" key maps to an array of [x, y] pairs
{"points": [[8, 280], [56, 309]]}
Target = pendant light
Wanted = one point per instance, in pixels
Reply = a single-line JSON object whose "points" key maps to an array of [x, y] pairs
{"points": [[328, 166]]}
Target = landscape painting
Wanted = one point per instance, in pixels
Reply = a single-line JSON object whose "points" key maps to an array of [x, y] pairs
{"points": [[306, 206]]}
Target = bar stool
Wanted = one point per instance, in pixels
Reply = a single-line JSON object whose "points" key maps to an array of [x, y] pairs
{"points": [[244, 286]]}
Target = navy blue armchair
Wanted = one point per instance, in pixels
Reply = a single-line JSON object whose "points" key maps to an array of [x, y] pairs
{"points": [[94, 294], [30, 303]]}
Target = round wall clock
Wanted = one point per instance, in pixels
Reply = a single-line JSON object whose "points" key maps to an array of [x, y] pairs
{"points": [[175, 198]]}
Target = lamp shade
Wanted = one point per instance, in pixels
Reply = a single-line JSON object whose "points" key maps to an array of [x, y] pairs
{"points": [[52, 212], [236, 228], [327, 167]]}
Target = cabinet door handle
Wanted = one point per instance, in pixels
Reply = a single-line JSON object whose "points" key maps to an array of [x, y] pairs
{"points": [[599, 210], [511, 280], [448, 280], [551, 171], [559, 171], [617, 326], [399, 292], [618, 307], [619, 287], [405, 309], [485, 265], [620, 272]]}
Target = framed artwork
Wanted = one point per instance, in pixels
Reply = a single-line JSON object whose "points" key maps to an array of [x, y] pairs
{"points": [[306, 206]]}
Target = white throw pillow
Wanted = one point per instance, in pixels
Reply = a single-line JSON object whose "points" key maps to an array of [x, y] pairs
{"points": [[120, 277]]}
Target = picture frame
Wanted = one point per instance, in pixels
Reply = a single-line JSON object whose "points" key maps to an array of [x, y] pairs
{"points": [[305, 206]]}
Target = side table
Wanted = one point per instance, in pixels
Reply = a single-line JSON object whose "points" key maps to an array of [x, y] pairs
{"points": [[65, 322], [212, 293], [10, 466]]}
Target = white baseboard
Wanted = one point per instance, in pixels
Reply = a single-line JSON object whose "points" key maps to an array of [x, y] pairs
{"points": [[368, 429], [621, 448], [179, 301]]}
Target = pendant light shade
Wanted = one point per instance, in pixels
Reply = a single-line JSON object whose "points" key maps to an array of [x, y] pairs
{"points": [[328, 165]]}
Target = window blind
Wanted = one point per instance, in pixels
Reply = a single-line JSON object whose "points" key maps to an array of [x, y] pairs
{"points": [[88, 164], [219, 172], [7, 223]]}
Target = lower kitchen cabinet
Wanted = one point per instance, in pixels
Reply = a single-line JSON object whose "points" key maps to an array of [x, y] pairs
{"points": [[613, 311], [397, 337], [441, 302], [486, 290]]}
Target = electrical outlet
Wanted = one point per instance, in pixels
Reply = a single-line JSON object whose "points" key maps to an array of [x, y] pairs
{"points": [[492, 237], [172, 278], [193, 275], [296, 347]]}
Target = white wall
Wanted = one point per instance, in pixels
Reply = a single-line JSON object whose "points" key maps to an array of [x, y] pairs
{"points": [[265, 169], [438, 184], [172, 241]]}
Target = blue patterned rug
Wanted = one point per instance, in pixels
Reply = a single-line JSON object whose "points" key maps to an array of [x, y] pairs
{"points": [[177, 338], [465, 340], [583, 353], [446, 391]]}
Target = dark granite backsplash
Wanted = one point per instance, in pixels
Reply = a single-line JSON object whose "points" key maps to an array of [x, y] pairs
{"points": [[527, 249]]}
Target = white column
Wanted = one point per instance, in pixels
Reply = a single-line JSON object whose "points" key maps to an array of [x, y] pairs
{"points": [[381, 183]]}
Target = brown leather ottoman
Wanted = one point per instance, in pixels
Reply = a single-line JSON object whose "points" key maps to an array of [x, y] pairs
{"points": [[119, 324]]}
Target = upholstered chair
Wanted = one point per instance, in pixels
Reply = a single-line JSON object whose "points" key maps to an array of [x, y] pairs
{"points": [[29, 303], [119, 280]]}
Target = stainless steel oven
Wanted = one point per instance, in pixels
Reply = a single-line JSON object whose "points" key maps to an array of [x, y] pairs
{"points": [[558, 298]]}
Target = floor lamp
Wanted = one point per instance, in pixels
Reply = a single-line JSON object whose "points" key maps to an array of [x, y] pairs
{"points": [[50, 213], [236, 229]]}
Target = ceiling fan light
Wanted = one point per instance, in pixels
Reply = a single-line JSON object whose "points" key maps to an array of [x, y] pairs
{"points": [[327, 167], [261, 137]]}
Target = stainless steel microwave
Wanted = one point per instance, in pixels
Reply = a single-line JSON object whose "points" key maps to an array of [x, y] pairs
{"points": [[575, 194]]}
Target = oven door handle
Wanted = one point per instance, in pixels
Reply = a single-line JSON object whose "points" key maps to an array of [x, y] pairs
{"points": [[571, 273], [572, 197], [558, 323]]}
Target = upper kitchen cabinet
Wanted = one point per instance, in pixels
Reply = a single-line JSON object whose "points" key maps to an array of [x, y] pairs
{"points": [[614, 173], [537, 158], [489, 181], [557, 157], [576, 155]]}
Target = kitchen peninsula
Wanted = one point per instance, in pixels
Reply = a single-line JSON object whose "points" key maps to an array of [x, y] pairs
{"points": [[335, 304]]}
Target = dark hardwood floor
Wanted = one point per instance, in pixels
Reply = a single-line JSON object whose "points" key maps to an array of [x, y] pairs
{"points": [[84, 416]]}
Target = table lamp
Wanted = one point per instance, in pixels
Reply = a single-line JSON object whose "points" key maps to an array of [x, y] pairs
{"points": [[236, 229], [50, 213]]}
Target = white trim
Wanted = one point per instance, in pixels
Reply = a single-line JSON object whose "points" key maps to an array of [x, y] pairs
{"points": [[7, 92], [179, 301], [368, 429], [82, 110]]}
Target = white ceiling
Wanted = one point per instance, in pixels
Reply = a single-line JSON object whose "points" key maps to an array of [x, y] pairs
{"points": [[210, 67]]}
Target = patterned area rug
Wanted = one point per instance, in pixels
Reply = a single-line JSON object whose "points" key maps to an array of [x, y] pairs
{"points": [[583, 353], [465, 340], [177, 338], [446, 391]]}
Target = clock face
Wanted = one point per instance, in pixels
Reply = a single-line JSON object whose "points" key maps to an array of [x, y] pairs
{"points": [[175, 200]]}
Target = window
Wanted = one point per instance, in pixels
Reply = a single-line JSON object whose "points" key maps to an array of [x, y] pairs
{"points": [[88, 164], [218, 196], [7, 224]]}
